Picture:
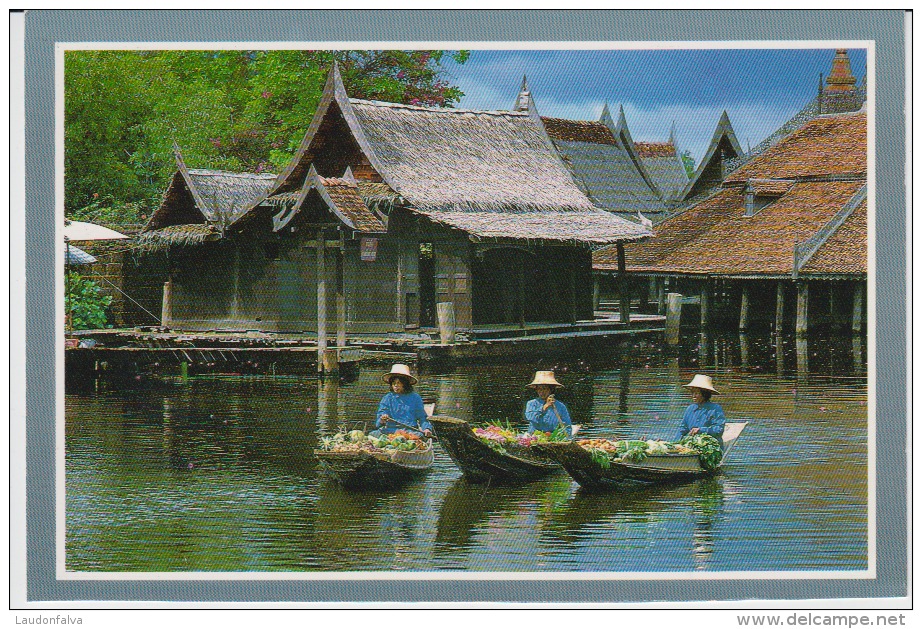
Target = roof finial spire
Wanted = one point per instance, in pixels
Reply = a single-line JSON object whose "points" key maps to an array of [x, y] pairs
{"points": [[840, 78], [525, 102], [672, 133]]}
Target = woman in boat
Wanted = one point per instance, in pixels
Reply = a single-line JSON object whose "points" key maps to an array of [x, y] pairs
{"points": [[545, 413], [702, 416], [402, 407]]}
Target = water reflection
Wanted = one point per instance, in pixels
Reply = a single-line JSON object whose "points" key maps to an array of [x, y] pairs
{"points": [[219, 473]]}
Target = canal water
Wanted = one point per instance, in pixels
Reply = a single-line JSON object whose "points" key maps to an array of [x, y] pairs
{"points": [[217, 473]]}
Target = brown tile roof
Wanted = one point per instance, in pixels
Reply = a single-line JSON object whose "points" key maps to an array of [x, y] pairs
{"points": [[578, 131], [770, 187], [827, 145], [655, 149], [345, 196], [846, 251], [715, 238]]}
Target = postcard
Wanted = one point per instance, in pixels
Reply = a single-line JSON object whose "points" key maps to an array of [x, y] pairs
{"points": [[565, 315]]}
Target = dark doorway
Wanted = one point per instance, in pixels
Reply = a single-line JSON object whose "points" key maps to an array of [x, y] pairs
{"points": [[426, 285]]}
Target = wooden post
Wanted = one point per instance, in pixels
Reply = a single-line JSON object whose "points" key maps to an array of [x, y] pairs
{"points": [[857, 307], [803, 298], [446, 314], [341, 296], [624, 292], [705, 305], [661, 295], [744, 308], [779, 308], [596, 292], [321, 302], [744, 350], [520, 287], [673, 317], [166, 310]]}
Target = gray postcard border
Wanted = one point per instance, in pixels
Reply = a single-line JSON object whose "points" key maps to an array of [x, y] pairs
{"points": [[45, 28]]}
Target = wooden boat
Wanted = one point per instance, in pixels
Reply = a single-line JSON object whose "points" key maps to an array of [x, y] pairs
{"points": [[579, 464], [362, 469], [480, 463]]}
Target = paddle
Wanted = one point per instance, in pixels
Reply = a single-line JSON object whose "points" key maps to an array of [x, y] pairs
{"points": [[560, 423]]}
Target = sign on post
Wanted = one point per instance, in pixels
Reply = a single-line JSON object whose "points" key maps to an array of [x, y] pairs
{"points": [[369, 249]]}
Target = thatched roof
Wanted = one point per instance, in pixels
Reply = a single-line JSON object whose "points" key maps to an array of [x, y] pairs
{"points": [[490, 173], [217, 197], [177, 235], [602, 168]]}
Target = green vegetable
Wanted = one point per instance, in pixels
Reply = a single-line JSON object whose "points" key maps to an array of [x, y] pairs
{"points": [[356, 436], [707, 447], [600, 458]]}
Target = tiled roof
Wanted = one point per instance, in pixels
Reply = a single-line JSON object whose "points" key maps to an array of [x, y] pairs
{"points": [[578, 131], [655, 149], [827, 145], [846, 251], [770, 187], [345, 195], [716, 238]]}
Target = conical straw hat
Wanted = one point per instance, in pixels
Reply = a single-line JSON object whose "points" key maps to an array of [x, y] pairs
{"points": [[702, 382], [399, 370], [544, 377]]}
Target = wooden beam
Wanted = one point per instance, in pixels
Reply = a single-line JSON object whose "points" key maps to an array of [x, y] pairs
{"points": [[520, 288], [624, 292], [340, 297]]}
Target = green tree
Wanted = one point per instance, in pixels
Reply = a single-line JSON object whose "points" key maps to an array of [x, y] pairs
{"points": [[233, 110]]}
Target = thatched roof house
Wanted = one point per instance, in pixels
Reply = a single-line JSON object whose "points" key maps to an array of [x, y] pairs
{"points": [[399, 208]]}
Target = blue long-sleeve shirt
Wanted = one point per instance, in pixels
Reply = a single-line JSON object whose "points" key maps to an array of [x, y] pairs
{"points": [[708, 418], [546, 421], [407, 408]]}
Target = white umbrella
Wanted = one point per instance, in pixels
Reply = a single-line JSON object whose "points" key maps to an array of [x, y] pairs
{"points": [[75, 255], [76, 230]]}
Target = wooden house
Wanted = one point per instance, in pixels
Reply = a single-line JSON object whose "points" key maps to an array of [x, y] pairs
{"points": [[384, 212], [789, 226]]}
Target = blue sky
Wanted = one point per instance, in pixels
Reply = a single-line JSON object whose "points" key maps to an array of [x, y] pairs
{"points": [[760, 89]]}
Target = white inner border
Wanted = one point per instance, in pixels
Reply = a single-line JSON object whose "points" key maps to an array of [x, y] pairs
{"points": [[60, 487]]}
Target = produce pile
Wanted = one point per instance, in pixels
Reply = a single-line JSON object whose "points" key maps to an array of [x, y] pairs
{"points": [[500, 437], [356, 440], [605, 451]]}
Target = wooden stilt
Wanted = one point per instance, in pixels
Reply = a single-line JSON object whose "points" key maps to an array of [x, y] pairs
{"points": [[673, 318], [705, 301], [596, 291], [803, 298], [574, 302], [857, 308], [744, 308], [624, 291], [661, 295], [321, 302], [744, 350], [779, 308], [166, 310]]}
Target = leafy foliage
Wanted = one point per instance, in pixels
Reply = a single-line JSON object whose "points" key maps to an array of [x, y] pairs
{"points": [[84, 303], [227, 109], [689, 162]]}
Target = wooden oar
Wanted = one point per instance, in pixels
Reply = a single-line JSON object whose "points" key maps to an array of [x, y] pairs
{"points": [[573, 429]]}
